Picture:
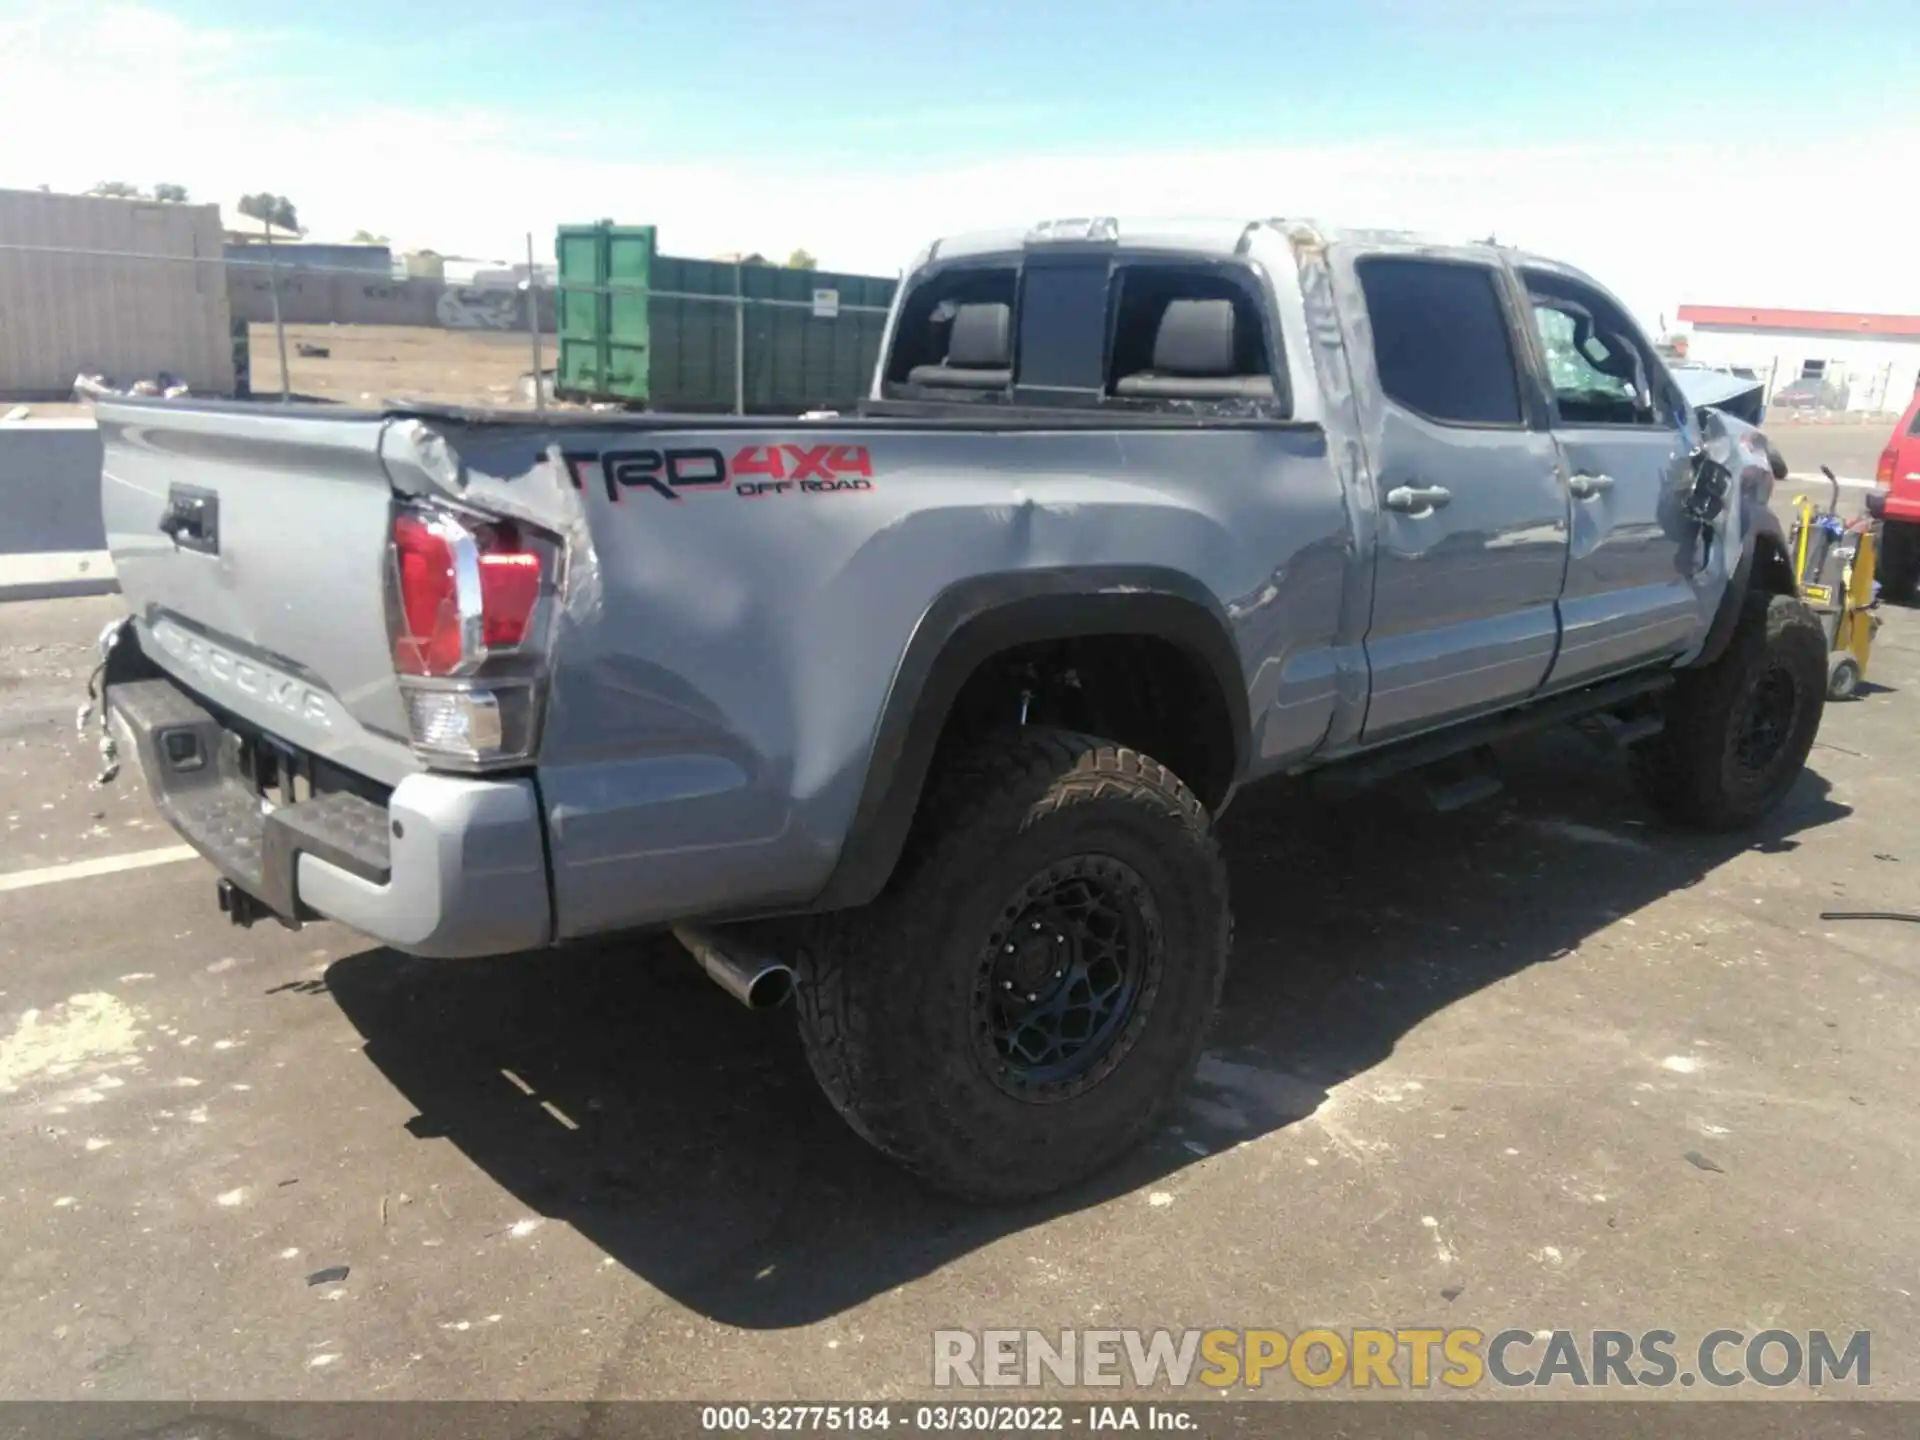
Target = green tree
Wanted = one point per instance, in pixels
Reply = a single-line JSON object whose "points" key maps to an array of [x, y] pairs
{"points": [[175, 194], [802, 260], [116, 190], [275, 210], [367, 237]]}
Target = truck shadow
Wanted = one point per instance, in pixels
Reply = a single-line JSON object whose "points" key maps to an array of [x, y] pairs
{"points": [[614, 1088]]}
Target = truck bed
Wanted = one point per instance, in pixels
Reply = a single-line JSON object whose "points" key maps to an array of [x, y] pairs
{"points": [[732, 673]]}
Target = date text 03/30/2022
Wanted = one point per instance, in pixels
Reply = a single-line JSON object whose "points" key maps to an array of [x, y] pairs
{"points": [[1092, 1419]]}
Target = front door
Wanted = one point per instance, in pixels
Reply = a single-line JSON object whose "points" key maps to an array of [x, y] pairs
{"points": [[1629, 597], [1471, 543]]}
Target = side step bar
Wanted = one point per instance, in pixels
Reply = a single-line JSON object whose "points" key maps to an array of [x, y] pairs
{"points": [[1372, 767]]}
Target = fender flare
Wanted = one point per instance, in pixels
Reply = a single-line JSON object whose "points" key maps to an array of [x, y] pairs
{"points": [[977, 618], [1747, 572]]}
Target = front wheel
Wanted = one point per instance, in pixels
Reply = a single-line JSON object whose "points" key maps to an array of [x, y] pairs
{"points": [[1032, 990], [1738, 731]]}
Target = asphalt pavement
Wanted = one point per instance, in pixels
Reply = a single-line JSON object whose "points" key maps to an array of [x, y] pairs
{"points": [[1539, 1063]]}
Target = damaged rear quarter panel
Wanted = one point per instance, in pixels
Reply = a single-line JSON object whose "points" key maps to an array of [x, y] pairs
{"points": [[727, 650]]}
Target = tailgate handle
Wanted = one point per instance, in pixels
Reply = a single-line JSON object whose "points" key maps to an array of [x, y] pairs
{"points": [[192, 519]]}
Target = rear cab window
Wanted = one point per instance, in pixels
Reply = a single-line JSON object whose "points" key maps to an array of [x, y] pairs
{"points": [[955, 334], [1091, 329]]}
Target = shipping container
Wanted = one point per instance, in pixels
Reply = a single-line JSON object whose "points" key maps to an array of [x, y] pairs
{"points": [[130, 289], [667, 333]]}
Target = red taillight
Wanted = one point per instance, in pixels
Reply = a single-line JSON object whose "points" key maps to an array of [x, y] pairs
{"points": [[440, 630], [509, 589], [427, 640], [1889, 462], [465, 599]]}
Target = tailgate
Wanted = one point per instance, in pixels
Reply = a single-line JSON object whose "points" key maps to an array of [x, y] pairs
{"points": [[252, 545]]}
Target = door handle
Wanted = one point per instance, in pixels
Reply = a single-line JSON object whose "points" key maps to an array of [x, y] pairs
{"points": [[192, 519], [1418, 499], [1585, 487]]}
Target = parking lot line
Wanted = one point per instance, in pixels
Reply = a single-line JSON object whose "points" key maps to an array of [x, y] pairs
{"points": [[1847, 482], [86, 869]]}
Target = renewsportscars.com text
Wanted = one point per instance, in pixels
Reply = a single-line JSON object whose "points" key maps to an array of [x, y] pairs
{"points": [[1401, 1358]]}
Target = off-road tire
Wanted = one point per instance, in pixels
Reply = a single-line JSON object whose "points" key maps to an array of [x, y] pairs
{"points": [[889, 995], [1693, 772], [1899, 564]]}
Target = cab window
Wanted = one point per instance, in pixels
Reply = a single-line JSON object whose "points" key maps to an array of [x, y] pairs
{"points": [[1601, 371]]}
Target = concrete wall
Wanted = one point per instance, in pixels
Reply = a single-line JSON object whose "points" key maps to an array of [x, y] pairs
{"points": [[129, 288], [53, 540], [309, 297]]}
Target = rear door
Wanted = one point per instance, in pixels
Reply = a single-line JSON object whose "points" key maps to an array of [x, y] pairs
{"points": [[1471, 543], [1618, 421]]}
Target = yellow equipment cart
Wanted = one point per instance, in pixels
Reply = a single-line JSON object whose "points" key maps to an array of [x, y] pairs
{"points": [[1834, 563]]}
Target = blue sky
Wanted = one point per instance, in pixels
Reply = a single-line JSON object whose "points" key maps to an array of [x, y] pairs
{"points": [[907, 83], [1683, 150]]}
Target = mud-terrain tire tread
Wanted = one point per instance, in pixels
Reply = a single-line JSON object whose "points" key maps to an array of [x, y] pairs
{"points": [[1684, 770], [864, 1034]]}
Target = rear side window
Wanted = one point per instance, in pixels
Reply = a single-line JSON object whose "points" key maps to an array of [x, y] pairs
{"points": [[1186, 335], [1440, 339], [955, 331]]}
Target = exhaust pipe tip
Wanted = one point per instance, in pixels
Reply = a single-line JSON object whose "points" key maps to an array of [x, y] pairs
{"points": [[770, 989], [757, 982]]}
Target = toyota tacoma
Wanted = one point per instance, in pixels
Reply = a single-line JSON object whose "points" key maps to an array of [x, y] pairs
{"points": [[926, 713]]}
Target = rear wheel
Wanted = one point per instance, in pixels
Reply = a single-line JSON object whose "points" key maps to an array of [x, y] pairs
{"points": [[1021, 1005], [1899, 567], [1738, 731]]}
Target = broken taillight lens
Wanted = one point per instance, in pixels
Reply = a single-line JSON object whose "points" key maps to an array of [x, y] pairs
{"points": [[466, 614], [427, 638]]}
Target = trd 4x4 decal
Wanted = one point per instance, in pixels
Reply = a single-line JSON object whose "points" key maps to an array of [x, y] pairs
{"points": [[756, 471]]}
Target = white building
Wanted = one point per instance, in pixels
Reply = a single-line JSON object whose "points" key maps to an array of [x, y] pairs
{"points": [[1875, 359]]}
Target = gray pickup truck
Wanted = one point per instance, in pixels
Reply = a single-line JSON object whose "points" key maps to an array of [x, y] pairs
{"points": [[924, 715]]}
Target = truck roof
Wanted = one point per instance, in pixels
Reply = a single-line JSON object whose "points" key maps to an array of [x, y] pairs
{"points": [[1213, 235]]}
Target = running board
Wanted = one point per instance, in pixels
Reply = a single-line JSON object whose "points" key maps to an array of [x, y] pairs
{"points": [[1371, 767], [1481, 784], [1615, 732]]}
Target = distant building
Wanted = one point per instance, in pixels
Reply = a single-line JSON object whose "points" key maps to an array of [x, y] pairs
{"points": [[1873, 359], [240, 229], [301, 254], [512, 277]]}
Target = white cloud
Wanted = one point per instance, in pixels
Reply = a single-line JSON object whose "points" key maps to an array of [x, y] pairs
{"points": [[132, 93]]}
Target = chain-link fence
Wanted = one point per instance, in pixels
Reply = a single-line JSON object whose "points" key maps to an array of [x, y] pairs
{"points": [[271, 325]]}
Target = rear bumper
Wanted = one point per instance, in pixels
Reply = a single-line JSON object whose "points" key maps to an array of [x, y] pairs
{"points": [[449, 866], [1900, 504]]}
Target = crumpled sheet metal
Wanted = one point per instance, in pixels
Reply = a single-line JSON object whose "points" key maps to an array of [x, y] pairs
{"points": [[511, 472]]}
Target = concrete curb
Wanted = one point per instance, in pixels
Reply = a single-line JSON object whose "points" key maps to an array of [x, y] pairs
{"points": [[52, 539], [57, 576]]}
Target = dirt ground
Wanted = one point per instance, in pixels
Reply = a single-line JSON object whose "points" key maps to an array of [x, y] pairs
{"points": [[366, 364]]}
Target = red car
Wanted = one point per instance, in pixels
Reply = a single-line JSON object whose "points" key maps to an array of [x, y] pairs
{"points": [[1897, 503]]}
